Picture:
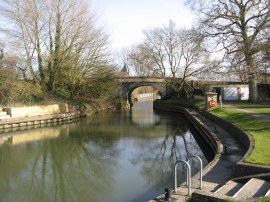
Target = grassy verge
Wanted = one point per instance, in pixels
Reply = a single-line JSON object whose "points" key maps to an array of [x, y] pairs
{"points": [[267, 199], [257, 128]]}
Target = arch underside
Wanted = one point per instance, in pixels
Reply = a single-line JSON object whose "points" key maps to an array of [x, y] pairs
{"points": [[160, 87]]}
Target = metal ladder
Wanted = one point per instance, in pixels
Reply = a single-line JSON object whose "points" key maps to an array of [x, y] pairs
{"points": [[188, 182]]}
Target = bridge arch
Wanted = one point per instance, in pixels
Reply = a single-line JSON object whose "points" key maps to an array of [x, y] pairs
{"points": [[160, 91], [129, 84]]}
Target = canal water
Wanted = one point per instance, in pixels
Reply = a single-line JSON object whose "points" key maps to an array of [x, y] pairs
{"points": [[115, 156]]}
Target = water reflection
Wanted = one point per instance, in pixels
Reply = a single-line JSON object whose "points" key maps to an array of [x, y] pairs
{"points": [[142, 114], [109, 157], [29, 136], [54, 170]]}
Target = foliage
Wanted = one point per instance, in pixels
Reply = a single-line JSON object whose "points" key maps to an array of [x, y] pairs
{"points": [[14, 90], [20, 93], [59, 43], [6, 84], [27, 92], [102, 84]]}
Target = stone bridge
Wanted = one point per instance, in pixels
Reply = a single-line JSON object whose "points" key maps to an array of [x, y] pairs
{"points": [[128, 84]]}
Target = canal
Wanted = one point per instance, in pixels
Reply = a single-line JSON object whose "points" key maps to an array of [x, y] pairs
{"points": [[117, 156]]}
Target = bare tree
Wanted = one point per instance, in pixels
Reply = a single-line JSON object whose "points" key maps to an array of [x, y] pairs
{"points": [[59, 39], [123, 61], [237, 25], [140, 61], [178, 54]]}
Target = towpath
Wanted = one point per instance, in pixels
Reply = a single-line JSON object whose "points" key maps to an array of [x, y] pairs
{"points": [[264, 116]]}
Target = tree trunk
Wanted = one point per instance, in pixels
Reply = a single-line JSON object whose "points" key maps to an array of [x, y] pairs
{"points": [[253, 88], [56, 56]]}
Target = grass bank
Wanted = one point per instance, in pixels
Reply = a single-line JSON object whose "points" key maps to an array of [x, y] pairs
{"points": [[258, 128]]}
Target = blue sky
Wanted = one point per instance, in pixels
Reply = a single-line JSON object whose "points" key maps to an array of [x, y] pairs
{"points": [[126, 19]]}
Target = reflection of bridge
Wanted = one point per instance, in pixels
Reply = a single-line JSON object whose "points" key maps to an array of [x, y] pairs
{"points": [[128, 84]]}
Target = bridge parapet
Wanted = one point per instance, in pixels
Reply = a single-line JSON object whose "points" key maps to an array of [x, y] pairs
{"points": [[141, 79]]}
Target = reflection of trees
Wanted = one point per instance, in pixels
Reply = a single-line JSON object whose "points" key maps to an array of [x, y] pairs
{"points": [[157, 158], [62, 169], [82, 161]]}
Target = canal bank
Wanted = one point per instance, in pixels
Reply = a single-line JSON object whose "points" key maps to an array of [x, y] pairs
{"points": [[27, 117], [20, 118], [234, 146]]}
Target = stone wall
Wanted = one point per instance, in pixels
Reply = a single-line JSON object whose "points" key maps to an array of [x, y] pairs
{"points": [[235, 131], [17, 112]]}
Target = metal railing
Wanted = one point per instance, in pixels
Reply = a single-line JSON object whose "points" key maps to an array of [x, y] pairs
{"points": [[188, 175], [200, 161], [188, 180]]}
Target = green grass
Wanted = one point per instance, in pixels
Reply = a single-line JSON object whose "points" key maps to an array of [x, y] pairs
{"points": [[267, 199], [260, 108], [257, 128]]}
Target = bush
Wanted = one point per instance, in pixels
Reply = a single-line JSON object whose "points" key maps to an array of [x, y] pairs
{"points": [[62, 93], [22, 93]]}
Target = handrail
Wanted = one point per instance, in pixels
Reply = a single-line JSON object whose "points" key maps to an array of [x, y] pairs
{"points": [[200, 160], [188, 175]]}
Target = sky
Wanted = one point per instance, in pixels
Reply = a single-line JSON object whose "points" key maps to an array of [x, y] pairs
{"points": [[126, 19]]}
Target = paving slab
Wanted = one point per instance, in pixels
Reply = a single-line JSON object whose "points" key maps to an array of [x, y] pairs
{"points": [[249, 189], [230, 188]]}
